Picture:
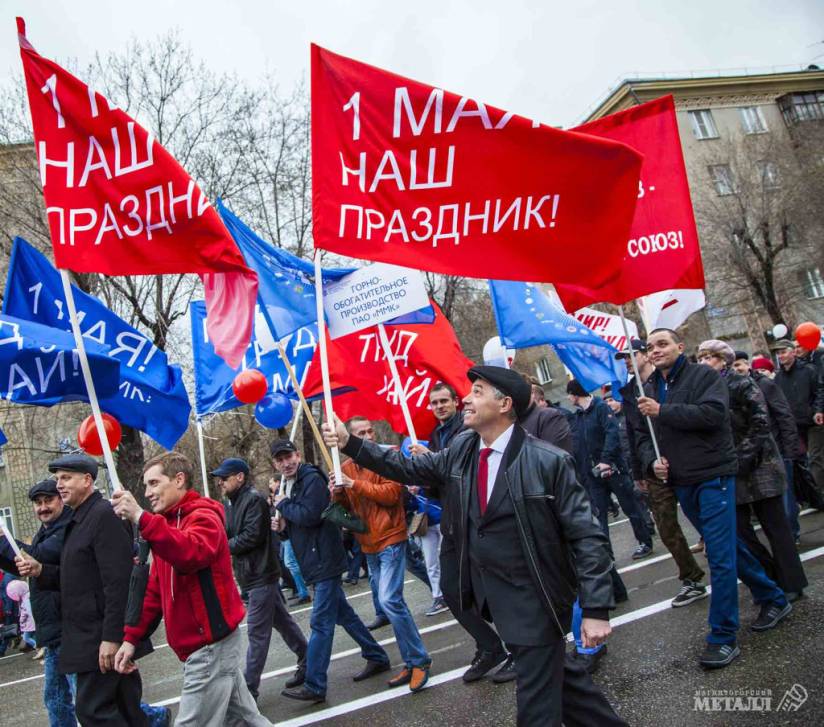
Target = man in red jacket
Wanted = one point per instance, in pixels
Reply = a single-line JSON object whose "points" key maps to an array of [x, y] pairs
{"points": [[192, 587]]}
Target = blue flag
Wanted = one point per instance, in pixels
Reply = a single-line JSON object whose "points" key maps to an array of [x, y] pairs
{"points": [[286, 291], [151, 396], [3, 438], [213, 378], [39, 365], [527, 317]]}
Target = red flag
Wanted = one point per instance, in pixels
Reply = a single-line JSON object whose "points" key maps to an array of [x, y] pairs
{"points": [[118, 203], [425, 354], [409, 174], [662, 250]]}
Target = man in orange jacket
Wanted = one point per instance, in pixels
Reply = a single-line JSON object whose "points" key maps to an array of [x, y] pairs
{"points": [[192, 587], [379, 503]]}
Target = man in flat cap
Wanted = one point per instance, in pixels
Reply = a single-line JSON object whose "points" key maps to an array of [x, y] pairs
{"points": [[528, 542], [45, 547], [93, 579]]}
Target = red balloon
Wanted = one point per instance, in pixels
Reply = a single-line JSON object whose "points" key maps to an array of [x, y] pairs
{"points": [[250, 386], [808, 335], [89, 440]]}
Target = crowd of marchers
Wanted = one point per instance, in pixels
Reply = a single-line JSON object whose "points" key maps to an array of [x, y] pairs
{"points": [[503, 512]]}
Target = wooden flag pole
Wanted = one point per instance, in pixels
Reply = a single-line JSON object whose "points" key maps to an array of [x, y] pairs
{"points": [[324, 364], [202, 449], [87, 378], [399, 392], [304, 404], [638, 379]]}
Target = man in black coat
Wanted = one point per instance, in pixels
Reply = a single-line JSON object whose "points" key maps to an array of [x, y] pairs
{"points": [[804, 391], [319, 549], [489, 649], [93, 580], [527, 541], [257, 570], [45, 605]]}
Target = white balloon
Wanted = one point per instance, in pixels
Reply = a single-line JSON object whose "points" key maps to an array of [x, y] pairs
{"points": [[496, 354], [780, 330]]}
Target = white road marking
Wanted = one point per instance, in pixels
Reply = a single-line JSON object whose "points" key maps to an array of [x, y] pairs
{"points": [[368, 701]]}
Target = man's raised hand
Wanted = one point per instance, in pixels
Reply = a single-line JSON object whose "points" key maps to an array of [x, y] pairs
{"points": [[337, 437]]}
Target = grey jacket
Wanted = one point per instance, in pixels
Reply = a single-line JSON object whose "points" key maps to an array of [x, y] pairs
{"points": [[562, 543]]}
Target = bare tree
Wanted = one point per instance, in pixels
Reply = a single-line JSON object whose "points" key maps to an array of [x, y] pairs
{"points": [[757, 227], [248, 146]]}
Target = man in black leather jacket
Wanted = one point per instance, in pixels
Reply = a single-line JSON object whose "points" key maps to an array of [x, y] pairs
{"points": [[248, 527], [527, 543]]}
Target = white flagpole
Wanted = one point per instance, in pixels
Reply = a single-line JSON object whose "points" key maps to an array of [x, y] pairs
{"points": [[202, 449], [399, 392], [87, 377], [324, 363], [638, 379]]}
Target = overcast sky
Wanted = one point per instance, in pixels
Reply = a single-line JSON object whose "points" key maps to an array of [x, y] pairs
{"points": [[543, 59]]}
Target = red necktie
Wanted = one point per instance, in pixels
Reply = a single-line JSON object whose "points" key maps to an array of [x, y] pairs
{"points": [[483, 478]]}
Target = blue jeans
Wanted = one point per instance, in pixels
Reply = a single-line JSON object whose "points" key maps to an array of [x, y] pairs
{"points": [[577, 617], [621, 486], [294, 568], [386, 571], [330, 607], [355, 561], [57, 691], [710, 507], [790, 504]]}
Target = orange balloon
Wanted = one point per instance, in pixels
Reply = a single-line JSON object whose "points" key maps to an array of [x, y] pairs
{"points": [[808, 335], [89, 440], [250, 386]]}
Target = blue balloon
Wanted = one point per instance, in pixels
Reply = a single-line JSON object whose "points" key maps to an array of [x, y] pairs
{"points": [[274, 411]]}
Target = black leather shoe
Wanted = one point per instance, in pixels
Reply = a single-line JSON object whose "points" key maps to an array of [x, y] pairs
{"points": [[302, 694], [506, 673], [378, 623], [371, 668], [482, 664], [296, 679], [590, 661]]}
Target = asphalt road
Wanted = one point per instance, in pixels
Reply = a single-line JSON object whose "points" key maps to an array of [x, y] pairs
{"points": [[650, 672]]}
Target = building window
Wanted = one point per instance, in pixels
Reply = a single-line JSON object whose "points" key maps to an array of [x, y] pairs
{"points": [[722, 179], [542, 371], [752, 120], [813, 283], [797, 107], [703, 125], [768, 172], [5, 515]]}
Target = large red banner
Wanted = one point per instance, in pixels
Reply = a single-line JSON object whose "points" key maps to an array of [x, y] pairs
{"points": [[406, 173], [118, 203], [661, 250], [424, 353]]}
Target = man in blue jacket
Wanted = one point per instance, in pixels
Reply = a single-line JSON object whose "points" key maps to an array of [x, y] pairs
{"points": [[319, 549]]}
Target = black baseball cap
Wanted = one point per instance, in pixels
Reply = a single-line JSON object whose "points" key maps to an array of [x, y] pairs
{"points": [[74, 463], [282, 445], [44, 487], [508, 381], [636, 344], [231, 466], [742, 355]]}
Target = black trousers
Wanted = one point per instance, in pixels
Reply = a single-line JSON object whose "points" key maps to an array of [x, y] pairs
{"points": [[486, 638], [782, 565], [110, 699], [553, 688]]}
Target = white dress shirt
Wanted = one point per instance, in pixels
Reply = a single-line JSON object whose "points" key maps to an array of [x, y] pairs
{"points": [[494, 462]]}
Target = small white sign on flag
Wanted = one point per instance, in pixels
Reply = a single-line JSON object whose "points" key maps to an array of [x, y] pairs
{"points": [[371, 295]]}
